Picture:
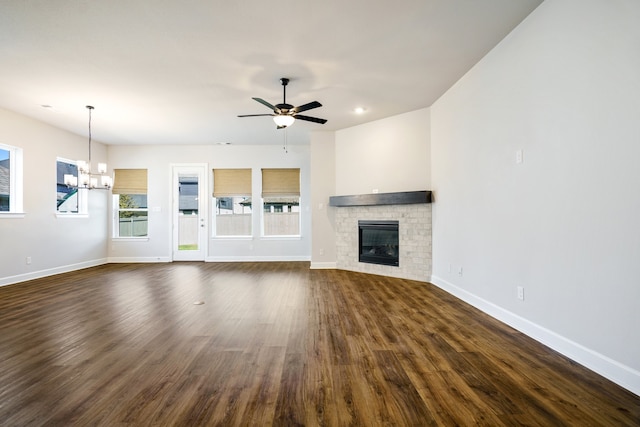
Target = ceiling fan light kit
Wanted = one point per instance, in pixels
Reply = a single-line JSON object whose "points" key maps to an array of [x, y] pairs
{"points": [[284, 115], [283, 121]]}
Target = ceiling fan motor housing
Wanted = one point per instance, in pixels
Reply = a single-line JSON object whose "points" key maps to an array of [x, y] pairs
{"points": [[284, 108]]}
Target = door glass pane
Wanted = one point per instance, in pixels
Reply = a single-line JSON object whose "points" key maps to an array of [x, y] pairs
{"points": [[188, 218]]}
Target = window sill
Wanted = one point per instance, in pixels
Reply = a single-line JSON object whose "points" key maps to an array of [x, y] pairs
{"points": [[130, 239], [281, 238], [12, 214], [71, 215], [232, 238]]}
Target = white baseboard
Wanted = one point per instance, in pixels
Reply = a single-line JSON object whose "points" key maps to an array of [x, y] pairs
{"points": [[614, 371], [256, 258], [126, 260], [120, 260], [50, 271], [323, 266]]}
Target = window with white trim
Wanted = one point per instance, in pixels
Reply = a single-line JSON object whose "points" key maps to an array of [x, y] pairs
{"points": [[281, 202], [131, 211], [233, 204], [10, 179], [69, 200]]}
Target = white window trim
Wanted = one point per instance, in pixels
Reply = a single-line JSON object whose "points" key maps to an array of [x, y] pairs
{"points": [[131, 239], [240, 237], [12, 214], [16, 208], [74, 215], [116, 217], [282, 237]]}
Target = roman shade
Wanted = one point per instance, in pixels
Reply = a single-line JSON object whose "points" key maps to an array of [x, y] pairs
{"points": [[231, 182], [130, 181], [280, 182]]}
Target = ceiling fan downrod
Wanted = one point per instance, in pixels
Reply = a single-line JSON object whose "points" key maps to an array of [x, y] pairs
{"points": [[285, 82]]}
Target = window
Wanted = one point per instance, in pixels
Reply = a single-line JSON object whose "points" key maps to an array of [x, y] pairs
{"points": [[281, 202], [10, 179], [232, 198], [130, 203], [68, 198]]}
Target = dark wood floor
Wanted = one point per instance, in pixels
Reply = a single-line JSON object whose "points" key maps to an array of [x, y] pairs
{"points": [[276, 344]]}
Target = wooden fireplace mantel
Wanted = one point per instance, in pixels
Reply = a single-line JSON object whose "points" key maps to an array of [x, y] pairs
{"points": [[376, 199]]}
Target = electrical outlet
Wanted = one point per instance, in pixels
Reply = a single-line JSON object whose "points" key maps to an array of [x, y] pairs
{"points": [[460, 271], [519, 156], [28, 260], [520, 293], [321, 251]]}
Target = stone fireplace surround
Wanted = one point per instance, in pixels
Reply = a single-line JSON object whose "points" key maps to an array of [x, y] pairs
{"points": [[413, 212]]}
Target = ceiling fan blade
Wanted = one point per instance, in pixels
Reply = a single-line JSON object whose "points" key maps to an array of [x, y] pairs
{"points": [[266, 104], [310, 119], [305, 107], [255, 115]]}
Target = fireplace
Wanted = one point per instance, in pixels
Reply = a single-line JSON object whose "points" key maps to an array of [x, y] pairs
{"points": [[411, 208], [378, 242]]}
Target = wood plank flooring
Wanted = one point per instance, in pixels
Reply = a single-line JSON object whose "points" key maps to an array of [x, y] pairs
{"points": [[277, 344]]}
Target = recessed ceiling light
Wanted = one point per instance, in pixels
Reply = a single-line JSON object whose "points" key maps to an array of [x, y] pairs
{"points": [[223, 143], [359, 110], [49, 107]]}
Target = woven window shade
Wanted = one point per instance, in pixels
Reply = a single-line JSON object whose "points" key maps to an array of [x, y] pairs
{"points": [[231, 182], [130, 181], [280, 182]]}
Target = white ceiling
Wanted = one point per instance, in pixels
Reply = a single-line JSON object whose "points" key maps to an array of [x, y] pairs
{"points": [[179, 72]]}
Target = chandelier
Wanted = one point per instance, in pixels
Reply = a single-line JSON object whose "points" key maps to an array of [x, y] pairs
{"points": [[86, 178]]}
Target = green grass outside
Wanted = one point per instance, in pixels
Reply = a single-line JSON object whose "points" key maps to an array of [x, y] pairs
{"points": [[193, 247]]}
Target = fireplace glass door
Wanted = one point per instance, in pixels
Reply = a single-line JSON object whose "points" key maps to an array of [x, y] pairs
{"points": [[378, 242]]}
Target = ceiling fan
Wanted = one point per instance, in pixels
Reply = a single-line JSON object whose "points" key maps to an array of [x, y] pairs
{"points": [[285, 114]]}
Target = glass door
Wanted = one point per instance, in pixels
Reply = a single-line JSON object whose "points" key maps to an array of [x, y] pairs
{"points": [[190, 223]]}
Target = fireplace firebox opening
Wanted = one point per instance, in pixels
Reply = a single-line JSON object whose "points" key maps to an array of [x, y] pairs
{"points": [[378, 242]]}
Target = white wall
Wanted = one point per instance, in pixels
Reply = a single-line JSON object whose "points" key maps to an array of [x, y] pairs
{"points": [[389, 155], [564, 88], [157, 160], [323, 186], [54, 244]]}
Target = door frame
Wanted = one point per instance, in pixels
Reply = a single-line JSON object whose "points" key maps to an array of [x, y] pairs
{"points": [[203, 209]]}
